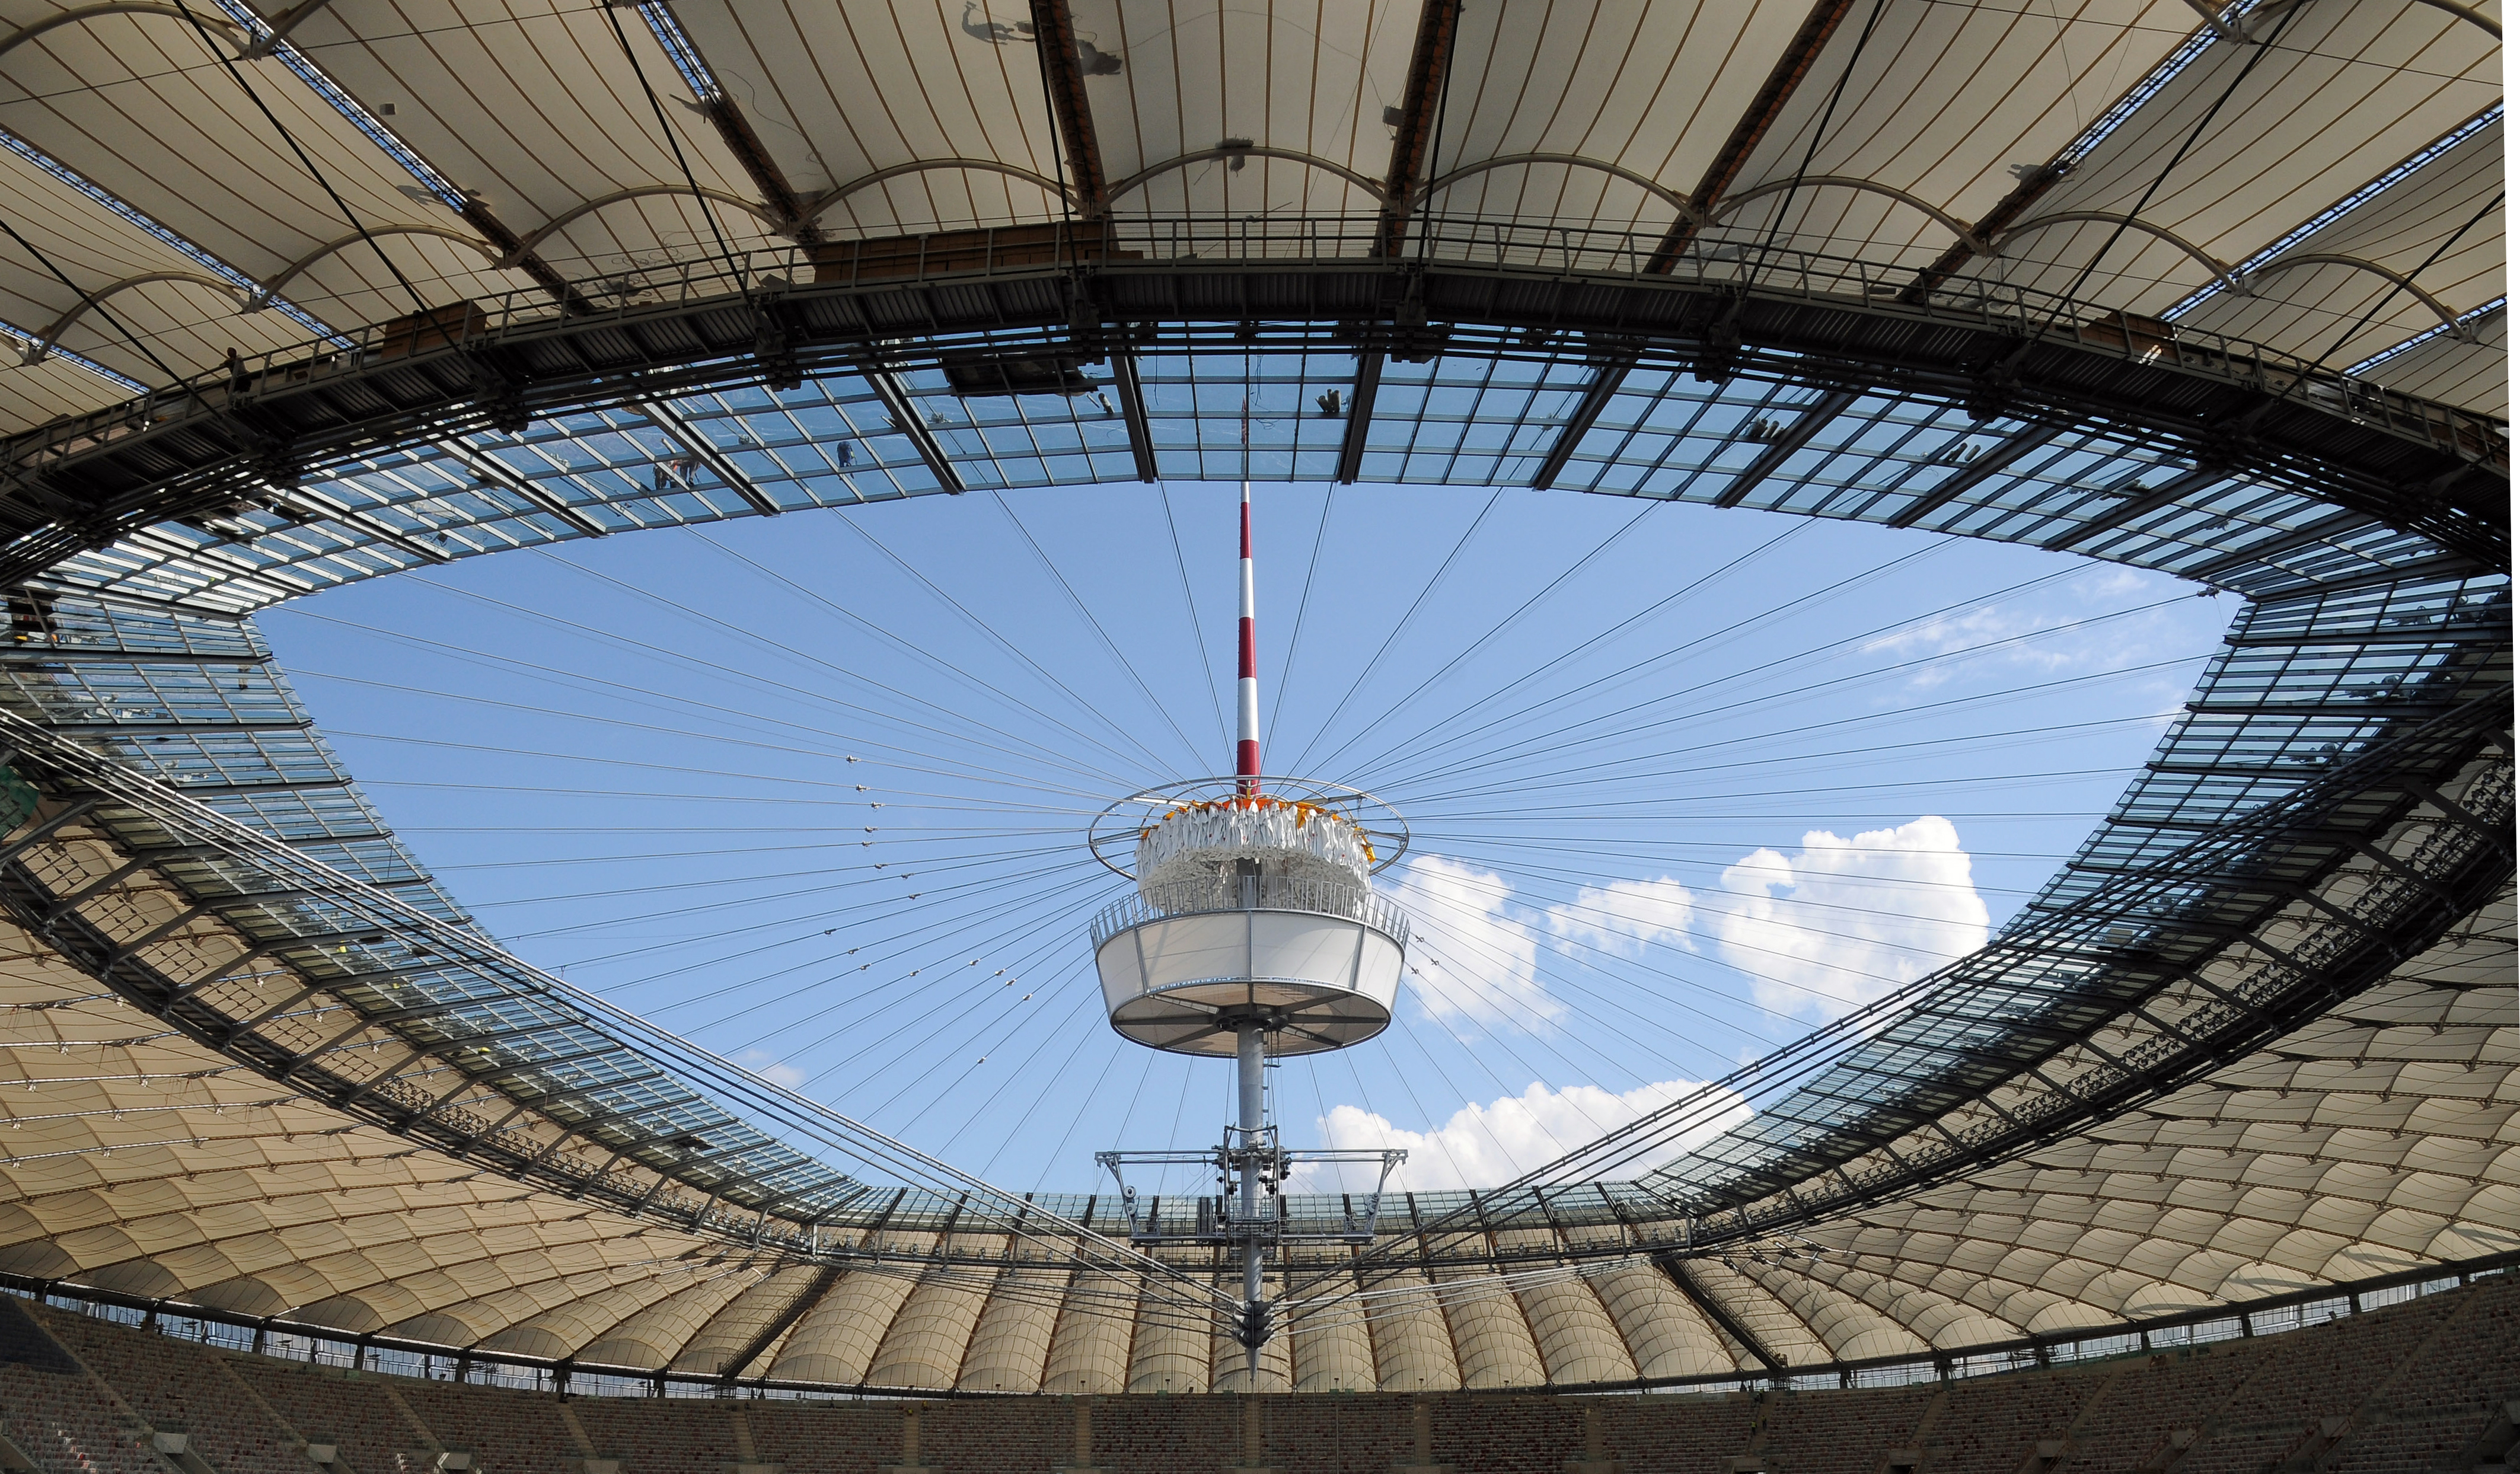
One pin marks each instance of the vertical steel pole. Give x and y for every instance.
(1250, 1065)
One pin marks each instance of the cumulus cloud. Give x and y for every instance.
(1471, 954)
(1842, 921)
(1482, 1146)
(1990, 634)
(1625, 915)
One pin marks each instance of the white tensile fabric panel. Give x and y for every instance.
(535, 105)
(1089, 1347)
(1489, 1332)
(1331, 1351)
(1946, 103)
(744, 1319)
(2440, 225)
(837, 91)
(2346, 93)
(1412, 1341)
(1171, 1350)
(836, 1340)
(145, 107)
(2474, 376)
(1579, 1342)
(655, 1334)
(927, 1342)
(1650, 86)
(1010, 1342)
(1664, 1332)
(1309, 78)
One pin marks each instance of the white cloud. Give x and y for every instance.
(1482, 1146)
(771, 1068)
(1470, 954)
(1988, 634)
(1842, 921)
(1624, 916)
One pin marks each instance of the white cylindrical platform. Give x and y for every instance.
(1251, 911)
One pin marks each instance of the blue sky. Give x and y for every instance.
(812, 790)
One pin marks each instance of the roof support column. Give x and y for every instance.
(1054, 32)
(1722, 1318)
(1430, 66)
(906, 421)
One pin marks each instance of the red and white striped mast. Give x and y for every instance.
(1246, 686)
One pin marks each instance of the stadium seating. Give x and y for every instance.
(356, 1415)
(2425, 1387)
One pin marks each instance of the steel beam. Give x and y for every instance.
(1796, 435)
(172, 729)
(1133, 410)
(1606, 378)
(2141, 505)
(2277, 547)
(788, 1314)
(906, 421)
(1765, 106)
(46, 829)
(2012, 448)
(1360, 413)
(1063, 77)
(690, 438)
(1413, 139)
(1707, 1306)
(326, 508)
(491, 469)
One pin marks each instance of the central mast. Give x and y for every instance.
(1246, 684)
(1255, 929)
(1250, 1040)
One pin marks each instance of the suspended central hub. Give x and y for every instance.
(1251, 911)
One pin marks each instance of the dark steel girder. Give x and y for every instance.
(1977, 472)
(1360, 415)
(1747, 134)
(1421, 103)
(1606, 378)
(1133, 411)
(1063, 77)
(1792, 438)
(1707, 1306)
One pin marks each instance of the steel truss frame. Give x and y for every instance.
(209, 447)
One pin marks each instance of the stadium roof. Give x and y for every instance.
(2256, 1038)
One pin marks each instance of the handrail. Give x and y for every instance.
(1117, 244)
(1276, 893)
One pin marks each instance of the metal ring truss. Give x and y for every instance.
(1004, 307)
(1112, 836)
